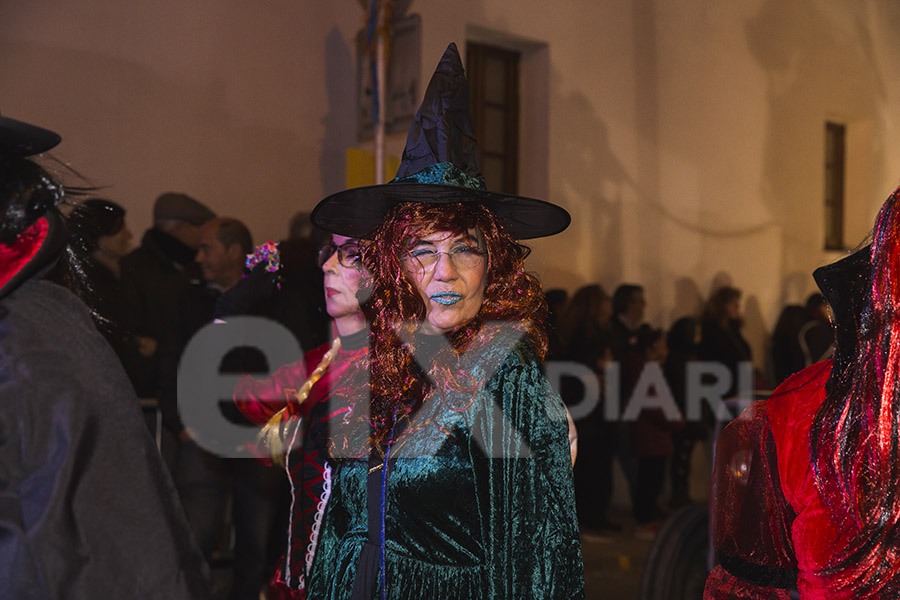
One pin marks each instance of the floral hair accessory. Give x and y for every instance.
(267, 255)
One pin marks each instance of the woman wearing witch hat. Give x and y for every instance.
(454, 479)
(806, 491)
(87, 509)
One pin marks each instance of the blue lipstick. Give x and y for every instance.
(447, 298)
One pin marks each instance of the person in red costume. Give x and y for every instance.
(806, 489)
(295, 404)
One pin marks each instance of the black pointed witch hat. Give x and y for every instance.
(439, 165)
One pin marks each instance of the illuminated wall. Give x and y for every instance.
(686, 138)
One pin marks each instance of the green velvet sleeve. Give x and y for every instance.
(525, 485)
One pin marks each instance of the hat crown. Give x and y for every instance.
(441, 146)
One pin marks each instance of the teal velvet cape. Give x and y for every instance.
(479, 495)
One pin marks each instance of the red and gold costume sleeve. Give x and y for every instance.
(258, 400)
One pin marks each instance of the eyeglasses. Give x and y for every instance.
(462, 257)
(349, 254)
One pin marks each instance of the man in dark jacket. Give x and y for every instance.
(155, 275)
(203, 478)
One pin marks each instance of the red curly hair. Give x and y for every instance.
(396, 309)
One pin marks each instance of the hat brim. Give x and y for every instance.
(22, 139)
(357, 212)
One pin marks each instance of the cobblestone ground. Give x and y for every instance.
(613, 563)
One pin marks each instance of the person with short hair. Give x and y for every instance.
(222, 245)
(204, 479)
(156, 273)
(629, 306)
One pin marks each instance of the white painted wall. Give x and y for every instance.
(686, 138)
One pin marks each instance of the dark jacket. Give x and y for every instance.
(153, 278)
(114, 319)
(724, 344)
(194, 310)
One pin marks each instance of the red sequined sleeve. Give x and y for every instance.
(258, 400)
(750, 517)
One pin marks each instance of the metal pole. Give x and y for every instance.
(381, 84)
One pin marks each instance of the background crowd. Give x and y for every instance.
(595, 330)
(149, 302)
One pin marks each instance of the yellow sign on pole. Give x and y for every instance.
(361, 167)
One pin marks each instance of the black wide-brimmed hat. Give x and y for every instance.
(439, 166)
(21, 139)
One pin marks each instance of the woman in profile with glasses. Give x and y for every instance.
(298, 404)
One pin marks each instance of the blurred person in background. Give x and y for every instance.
(101, 238)
(816, 337)
(787, 354)
(557, 299)
(682, 341)
(156, 273)
(629, 306)
(586, 339)
(722, 342)
(651, 435)
(205, 480)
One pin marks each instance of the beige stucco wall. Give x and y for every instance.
(686, 138)
(249, 106)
